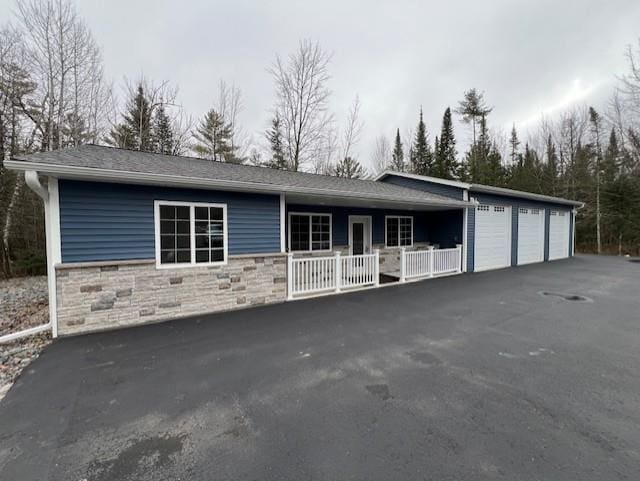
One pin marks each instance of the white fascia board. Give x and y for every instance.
(426, 178)
(487, 189)
(121, 176)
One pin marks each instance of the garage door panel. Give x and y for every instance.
(530, 235)
(492, 237)
(559, 224)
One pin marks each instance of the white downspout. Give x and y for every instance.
(33, 182)
(49, 196)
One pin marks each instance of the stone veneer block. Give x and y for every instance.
(139, 293)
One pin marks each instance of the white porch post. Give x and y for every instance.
(465, 234)
(338, 272)
(402, 265)
(459, 247)
(290, 276)
(431, 260)
(376, 268)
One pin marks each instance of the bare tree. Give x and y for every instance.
(353, 129)
(381, 155)
(72, 98)
(302, 98)
(630, 82)
(229, 106)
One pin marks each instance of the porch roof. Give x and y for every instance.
(109, 164)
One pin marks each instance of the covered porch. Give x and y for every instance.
(333, 248)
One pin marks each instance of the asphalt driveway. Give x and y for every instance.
(474, 377)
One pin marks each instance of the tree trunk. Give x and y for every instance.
(8, 222)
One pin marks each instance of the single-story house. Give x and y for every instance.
(135, 237)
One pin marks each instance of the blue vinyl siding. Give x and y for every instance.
(442, 227)
(515, 203)
(103, 221)
(426, 186)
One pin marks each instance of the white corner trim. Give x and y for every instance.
(54, 202)
(55, 250)
(465, 227)
(283, 239)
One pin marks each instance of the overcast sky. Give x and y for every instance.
(529, 57)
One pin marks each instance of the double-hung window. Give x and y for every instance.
(189, 234)
(309, 232)
(398, 231)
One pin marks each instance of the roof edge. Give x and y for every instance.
(90, 173)
(488, 189)
(435, 180)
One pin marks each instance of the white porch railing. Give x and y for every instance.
(430, 262)
(312, 275)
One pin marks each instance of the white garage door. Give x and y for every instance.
(558, 234)
(492, 237)
(530, 235)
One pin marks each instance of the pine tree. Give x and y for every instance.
(611, 160)
(163, 137)
(134, 132)
(550, 174)
(213, 138)
(278, 159)
(514, 143)
(472, 108)
(445, 165)
(595, 122)
(397, 158)
(349, 168)
(421, 156)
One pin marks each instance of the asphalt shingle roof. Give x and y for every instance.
(177, 167)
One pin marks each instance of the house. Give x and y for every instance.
(135, 237)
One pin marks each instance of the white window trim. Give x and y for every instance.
(310, 250)
(386, 217)
(192, 233)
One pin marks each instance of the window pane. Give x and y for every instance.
(202, 242)
(202, 213)
(405, 231)
(202, 227)
(182, 227)
(216, 228)
(167, 227)
(299, 232)
(392, 231)
(217, 255)
(183, 256)
(167, 257)
(182, 212)
(183, 241)
(175, 235)
(217, 241)
(167, 212)
(167, 242)
(215, 213)
(202, 255)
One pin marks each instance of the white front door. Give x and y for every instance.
(530, 235)
(359, 235)
(492, 240)
(559, 234)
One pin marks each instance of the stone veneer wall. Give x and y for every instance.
(96, 296)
